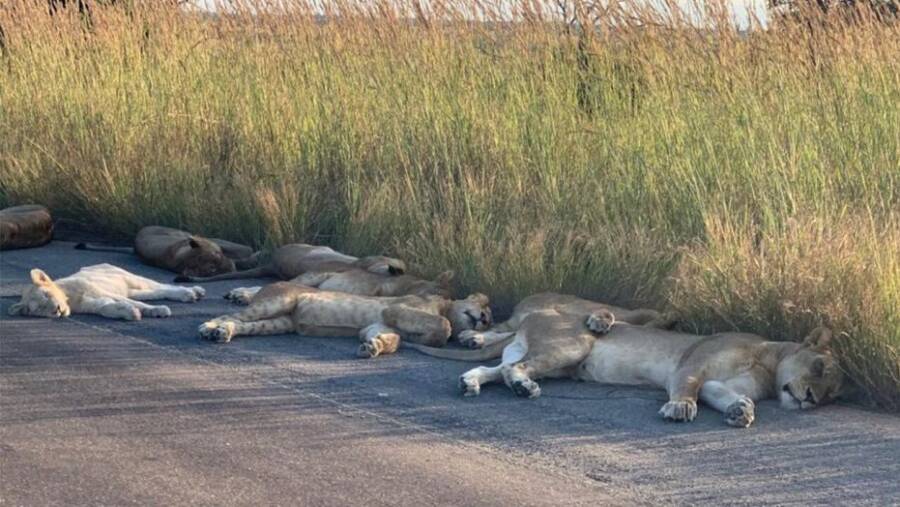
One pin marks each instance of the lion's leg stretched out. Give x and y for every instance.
(726, 397)
(418, 326)
(224, 330)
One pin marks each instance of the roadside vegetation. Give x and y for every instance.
(742, 181)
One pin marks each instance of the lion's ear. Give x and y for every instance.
(17, 308)
(819, 338)
(40, 278)
(395, 270)
(193, 243)
(445, 278)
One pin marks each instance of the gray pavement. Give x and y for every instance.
(94, 411)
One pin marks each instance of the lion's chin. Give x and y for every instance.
(788, 402)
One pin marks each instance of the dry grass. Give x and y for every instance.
(745, 182)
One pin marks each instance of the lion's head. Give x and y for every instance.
(382, 265)
(205, 258)
(472, 313)
(42, 299)
(809, 377)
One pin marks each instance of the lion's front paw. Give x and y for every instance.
(220, 332)
(685, 410)
(741, 413)
(199, 291)
(157, 311)
(382, 343)
(600, 322)
(239, 296)
(471, 339)
(469, 385)
(526, 388)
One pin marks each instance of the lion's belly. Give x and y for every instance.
(621, 362)
(343, 311)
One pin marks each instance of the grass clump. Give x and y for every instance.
(743, 181)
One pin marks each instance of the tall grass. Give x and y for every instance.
(740, 181)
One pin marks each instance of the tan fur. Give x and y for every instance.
(184, 253)
(25, 226)
(563, 304)
(293, 260)
(102, 289)
(380, 321)
(360, 282)
(728, 371)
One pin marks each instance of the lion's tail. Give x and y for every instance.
(258, 272)
(492, 351)
(104, 248)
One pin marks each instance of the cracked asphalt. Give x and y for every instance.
(94, 411)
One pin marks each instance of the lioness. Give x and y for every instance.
(380, 321)
(360, 282)
(728, 371)
(185, 253)
(290, 261)
(25, 226)
(102, 289)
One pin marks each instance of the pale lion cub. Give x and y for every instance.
(102, 289)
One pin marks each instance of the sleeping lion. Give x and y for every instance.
(727, 371)
(380, 322)
(102, 289)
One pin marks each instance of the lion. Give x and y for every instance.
(360, 282)
(295, 259)
(728, 371)
(102, 289)
(564, 304)
(380, 322)
(185, 253)
(26, 226)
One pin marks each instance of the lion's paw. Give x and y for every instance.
(526, 388)
(189, 295)
(741, 413)
(469, 385)
(130, 312)
(600, 322)
(199, 291)
(239, 296)
(681, 411)
(471, 339)
(382, 343)
(157, 311)
(220, 332)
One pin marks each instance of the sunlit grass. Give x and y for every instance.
(743, 182)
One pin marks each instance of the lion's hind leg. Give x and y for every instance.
(544, 358)
(224, 330)
(471, 381)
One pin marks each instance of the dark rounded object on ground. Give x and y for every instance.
(25, 226)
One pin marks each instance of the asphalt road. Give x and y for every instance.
(94, 411)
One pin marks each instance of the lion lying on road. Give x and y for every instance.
(102, 289)
(360, 282)
(290, 261)
(380, 321)
(728, 371)
(184, 253)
